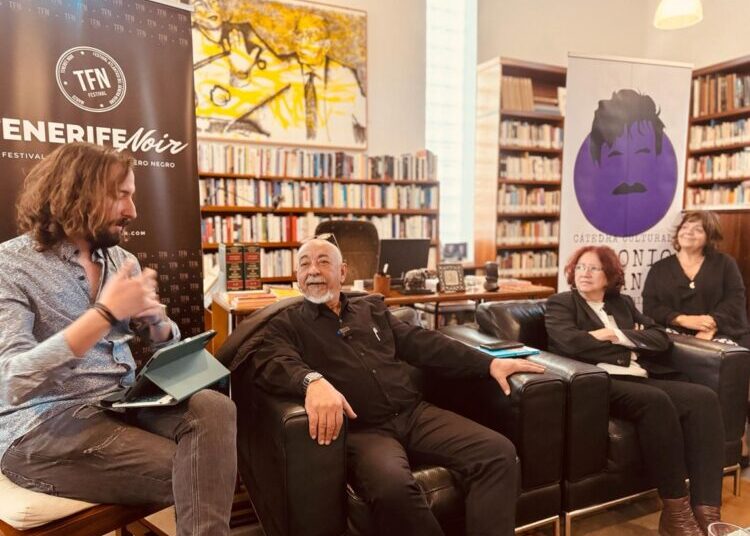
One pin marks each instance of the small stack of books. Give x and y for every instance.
(252, 299)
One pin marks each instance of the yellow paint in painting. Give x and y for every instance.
(257, 68)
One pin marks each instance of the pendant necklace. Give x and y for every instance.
(692, 280)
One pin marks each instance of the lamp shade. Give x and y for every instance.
(675, 14)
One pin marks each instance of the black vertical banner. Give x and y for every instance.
(119, 73)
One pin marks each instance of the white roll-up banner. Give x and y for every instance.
(626, 128)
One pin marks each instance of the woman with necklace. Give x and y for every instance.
(698, 291)
(679, 424)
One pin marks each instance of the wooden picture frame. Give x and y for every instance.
(451, 276)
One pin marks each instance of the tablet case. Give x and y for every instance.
(178, 370)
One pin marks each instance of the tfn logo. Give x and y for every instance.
(91, 79)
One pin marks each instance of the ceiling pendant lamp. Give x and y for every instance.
(676, 14)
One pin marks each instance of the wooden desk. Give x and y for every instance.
(225, 317)
(515, 292)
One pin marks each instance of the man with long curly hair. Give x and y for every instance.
(68, 296)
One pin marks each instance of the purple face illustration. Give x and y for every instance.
(633, 183)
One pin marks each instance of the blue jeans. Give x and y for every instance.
(183, 455)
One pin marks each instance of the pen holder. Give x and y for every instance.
(381, 284)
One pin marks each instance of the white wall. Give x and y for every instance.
(546, 30)
(396, 73)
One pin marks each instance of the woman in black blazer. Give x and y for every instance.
(679, 424)
(698, 291)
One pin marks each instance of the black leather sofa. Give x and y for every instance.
(602, 464)
(300, 488)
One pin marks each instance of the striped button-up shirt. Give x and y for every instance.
(42, 293)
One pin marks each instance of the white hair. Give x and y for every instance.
(317, 241)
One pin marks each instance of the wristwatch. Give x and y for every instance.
(309, 378)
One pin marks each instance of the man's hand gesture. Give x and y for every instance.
(325, 407)
(502, 369)
(127, 295)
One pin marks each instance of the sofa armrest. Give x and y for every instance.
(586, 401)
(297, 486)
(722, 367)
(532, 417)
(587, 416)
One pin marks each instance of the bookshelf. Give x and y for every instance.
(274, 197)
(717, 175)
(718, 157)
(519, 165)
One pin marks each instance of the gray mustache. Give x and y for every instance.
(624, 188)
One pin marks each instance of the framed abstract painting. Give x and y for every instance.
(283, 72)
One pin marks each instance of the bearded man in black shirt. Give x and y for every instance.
(352, 357)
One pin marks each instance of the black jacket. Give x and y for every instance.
(569, 318)
(719, 292)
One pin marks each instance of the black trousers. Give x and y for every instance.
(379, 465)
(680, 431)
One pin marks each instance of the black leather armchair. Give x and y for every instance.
(602, 460)
(300, 488)
(359, 244)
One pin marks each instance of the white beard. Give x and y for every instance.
(323, 298)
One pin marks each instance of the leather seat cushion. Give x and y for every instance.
(441, 490)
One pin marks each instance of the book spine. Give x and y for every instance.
(231, 267)
(252, 267)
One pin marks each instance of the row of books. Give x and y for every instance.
(293, 227)
(528, 232)
(720, 93)
(718, 195)
(528, 167)
(510, 197)
(531, 135)
(527, 264)
(214, 157)
(719, 134)
(274, 194)
(719, 166)
(516, 93)
(241, 266)
(421, 165)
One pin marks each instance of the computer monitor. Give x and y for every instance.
(402, 255)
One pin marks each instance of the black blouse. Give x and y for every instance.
(719, 292)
